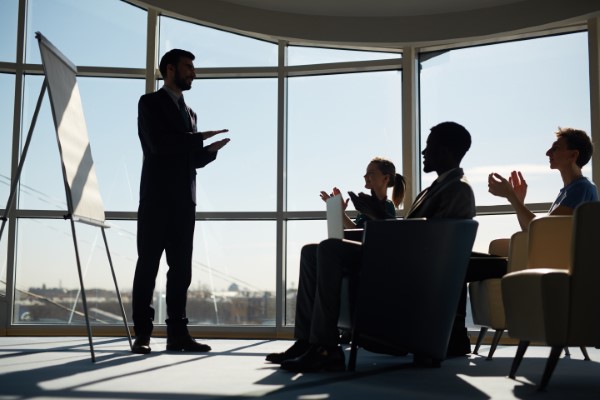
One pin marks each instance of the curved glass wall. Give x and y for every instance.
(338, 110)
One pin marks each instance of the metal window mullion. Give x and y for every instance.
(11, 236)
(281, 207)
(594, 80)
(410, 124)
(151, 49)
(344, 67)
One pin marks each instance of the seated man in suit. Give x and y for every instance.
(322, 267)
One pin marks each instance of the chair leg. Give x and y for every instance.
(353, 353)
(495, 341)
(523, 344)
(586, 357)
(482, 333)
(550, 365)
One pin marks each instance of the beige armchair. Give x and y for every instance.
(555, 306)
(546, 243)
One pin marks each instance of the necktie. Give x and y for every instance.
(184, 114)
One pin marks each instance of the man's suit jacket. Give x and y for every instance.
(450, 198)
(171, 152)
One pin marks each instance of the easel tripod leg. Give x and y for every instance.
(112, 270)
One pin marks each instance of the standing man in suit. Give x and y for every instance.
(173, 149)
(322, 269)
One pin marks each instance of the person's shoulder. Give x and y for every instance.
(153, 97)
(158, 94)
(587, 182)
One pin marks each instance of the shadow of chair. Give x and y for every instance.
(557, 306)
(546, 243)
(409, 285)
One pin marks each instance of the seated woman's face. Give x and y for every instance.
(374, 178)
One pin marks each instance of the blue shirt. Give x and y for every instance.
(579, 191)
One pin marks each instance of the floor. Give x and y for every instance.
(61, 368)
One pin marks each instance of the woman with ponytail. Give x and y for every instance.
(380, 175)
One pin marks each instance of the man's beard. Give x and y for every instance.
(181, 83)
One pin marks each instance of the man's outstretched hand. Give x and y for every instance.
(209, 134)
(218, 145)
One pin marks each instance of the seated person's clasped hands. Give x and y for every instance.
(514, 186)
(369, 205)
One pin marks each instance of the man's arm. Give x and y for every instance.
(157, 131)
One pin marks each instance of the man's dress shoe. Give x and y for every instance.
(317, 358)
(186, 343)
(141, 345)
(296, 350)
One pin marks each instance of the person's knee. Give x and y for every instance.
(338, 247)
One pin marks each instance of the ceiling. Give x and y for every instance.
(370, 8)
(385, 24)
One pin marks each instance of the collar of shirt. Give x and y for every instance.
(443, 176)
(172, 94)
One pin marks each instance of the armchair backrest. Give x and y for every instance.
(411, 278)
(585, 274)
(549, 242)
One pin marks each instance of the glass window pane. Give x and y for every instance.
(3, 261)
(336, 125)
(233, 273)
(243, 177)
(8, 30)
(298, 55)
(89, 32)
(112, 131)
(215, 48)
(47, 289)
(7, 100)
(41, 185)
(114, 143)
(299, 233)
(6, 130)
(512, 97)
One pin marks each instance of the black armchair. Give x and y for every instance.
(408, 288)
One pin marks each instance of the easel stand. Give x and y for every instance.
(70, 215)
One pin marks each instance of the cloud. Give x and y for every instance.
(480, 174)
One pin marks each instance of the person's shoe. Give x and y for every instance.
(317, 358)
(295, 350)
(459, 344)
(141, 345)
(187, 344)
